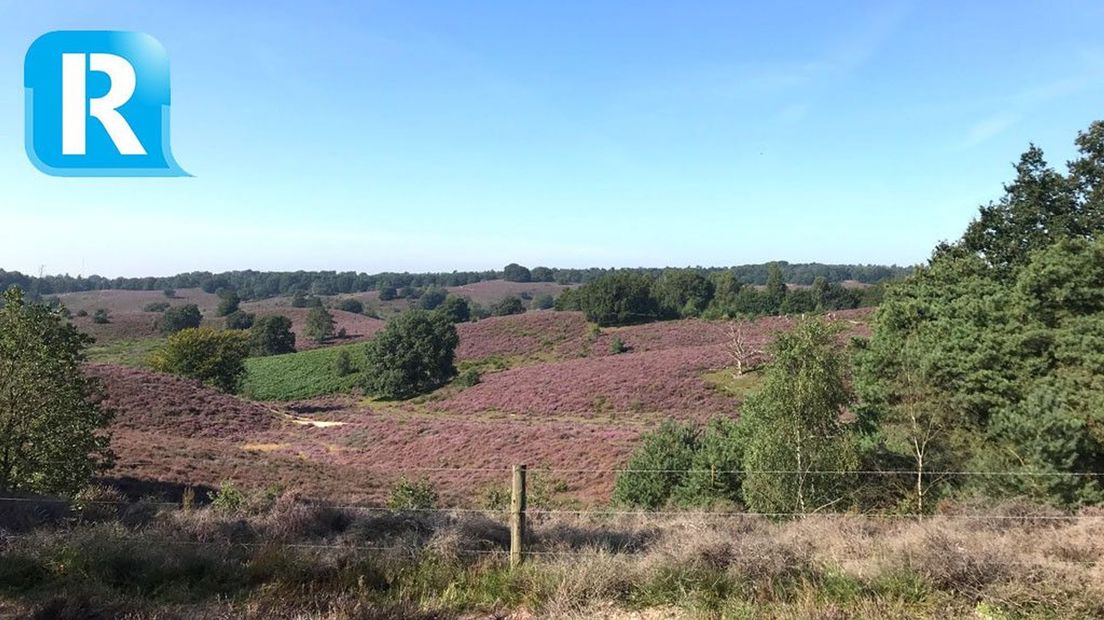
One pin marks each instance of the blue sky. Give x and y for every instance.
(436, 136)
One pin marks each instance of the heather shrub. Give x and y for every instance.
(412, 495)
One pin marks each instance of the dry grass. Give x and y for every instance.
(285, 558)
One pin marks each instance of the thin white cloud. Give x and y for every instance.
(989, 128)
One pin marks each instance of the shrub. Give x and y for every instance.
(468, 378)
(543, 302)
(456, 309)
(180, 317)
(387, 293)
(350, 305)
(617, 346)
(229, 301)
(658, 466)
(302, 300)
(240, 320)
(415, 353)
(516, 273)
(209, 355)
(156, 306)
(170, 293)
(320, 325)
(412, 495)
(101, 316)
(271, 335)
(227, 499)
(82, 312)
(507, 306)
(343, 363)
(433, 298)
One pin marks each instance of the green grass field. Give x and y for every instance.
(133, 352)
(297, 376)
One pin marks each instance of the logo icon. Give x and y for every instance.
(97, 104)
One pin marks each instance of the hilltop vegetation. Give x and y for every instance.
(265, 284)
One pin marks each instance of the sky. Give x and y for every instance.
(440, 136)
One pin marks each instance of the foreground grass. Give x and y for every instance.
(134, 352)
(289, 560)
(301, 375)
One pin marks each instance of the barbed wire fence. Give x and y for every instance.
(521, 511)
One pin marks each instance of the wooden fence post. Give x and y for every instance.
(517, 516)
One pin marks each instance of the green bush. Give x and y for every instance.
(468, 378)
(516, 273)
(433, 298)
(343, 363)
(412, 495)
(229, 301)
(227, 499)
(209, 355)
(657, 467)
(617, 346)
(414, 354)
(350, 305)
(543, 302)
(156, 306)
(101, 316)
(320, 325)
(271, 335)
(456, 309)
(507, 306)
(180, 317)
(240, 320)
(682, 464)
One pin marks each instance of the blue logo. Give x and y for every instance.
(98, 105)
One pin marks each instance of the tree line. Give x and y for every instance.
(626, 297)
(263, 284)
